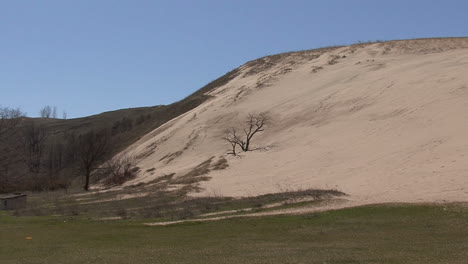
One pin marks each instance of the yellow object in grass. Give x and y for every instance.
(28, 238)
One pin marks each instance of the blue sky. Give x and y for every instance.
(91, 56)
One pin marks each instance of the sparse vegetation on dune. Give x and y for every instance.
(157, 202)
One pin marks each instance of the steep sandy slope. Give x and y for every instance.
(383, 122)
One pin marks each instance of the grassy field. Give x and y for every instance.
(370, 234)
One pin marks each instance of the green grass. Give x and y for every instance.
(370, 234)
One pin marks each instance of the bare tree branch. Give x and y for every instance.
(255, 123)
(233, 139)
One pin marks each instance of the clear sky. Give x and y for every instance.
(90, 56)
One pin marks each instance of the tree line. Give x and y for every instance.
(51, 112)
(51, 161)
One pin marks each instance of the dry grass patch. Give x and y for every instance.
(221, 164)
(196, 174)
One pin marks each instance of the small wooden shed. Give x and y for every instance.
(12, 201)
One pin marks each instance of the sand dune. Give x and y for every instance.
(382, 122)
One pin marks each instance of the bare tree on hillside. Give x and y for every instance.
(34, 137)
(9, 119)
(48, 112)
(91, 149)
(232, 137)
(45, 112)
(255, 123)
(54, 164)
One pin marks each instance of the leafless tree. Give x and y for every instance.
(9, 119)
(48, 112)
(54, 165)
(64, 115)
(34, 137)
(255, 123)
(231, 136)
(45, 112)
(91, 150)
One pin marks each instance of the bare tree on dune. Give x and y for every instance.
(255, 123)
